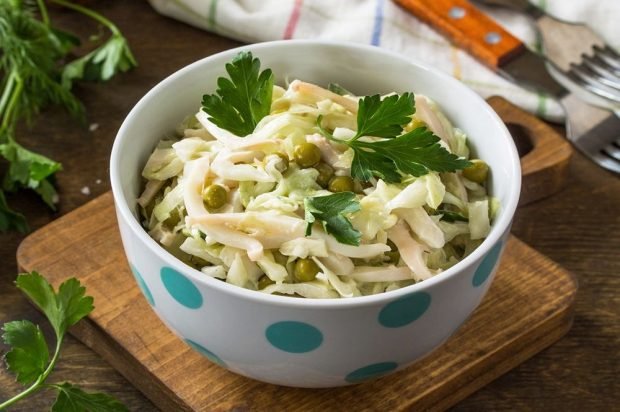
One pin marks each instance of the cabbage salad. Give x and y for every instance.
(314, 192)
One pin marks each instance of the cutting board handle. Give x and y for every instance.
(544, 152)
(467, 27)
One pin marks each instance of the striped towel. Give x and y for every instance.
(382, 23)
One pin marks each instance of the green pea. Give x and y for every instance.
(306, 270)
(280, 258)
(341, 184)
(214, 196)
(307, 154)
(325, 174)
(477, 172)
(264, 281)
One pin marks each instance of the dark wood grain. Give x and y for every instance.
(528, 307)
(578, 227)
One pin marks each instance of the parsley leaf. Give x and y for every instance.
(31, 170)
(243, 100)
(73, 399)
(29, 355)
(384, 118)
(63, 309)
(416, 153)
(367, 164)
(330, 210)
(102, 63)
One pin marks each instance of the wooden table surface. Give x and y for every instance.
(578, 228)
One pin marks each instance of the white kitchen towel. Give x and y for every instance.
(382, 23)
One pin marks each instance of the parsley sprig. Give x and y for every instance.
(243, 100)
(28, 357)
(330, 210)
(36, 72)
(415, 153)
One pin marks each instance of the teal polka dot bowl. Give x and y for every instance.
(310, 342)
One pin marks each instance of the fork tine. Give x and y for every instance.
(596, 60)
(589, 82)
(606, 161)
(605, 77)
(612, 151)
(609, 55)
(611, 51)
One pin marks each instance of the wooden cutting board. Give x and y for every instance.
(528, 307)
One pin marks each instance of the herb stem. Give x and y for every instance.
(10, 99)
(39, 382)
(90, 13)
(43, 10)
(6, 93)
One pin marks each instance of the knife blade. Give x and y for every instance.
(594, 131)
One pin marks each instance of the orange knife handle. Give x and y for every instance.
(467, 27)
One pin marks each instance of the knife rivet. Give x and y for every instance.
(456, 12)
(492, 37)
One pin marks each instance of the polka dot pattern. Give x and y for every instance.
(181, 288)
(294, 337)
(487, 265)
(371, 371)
(142, 285)
(206, 352)
(405, 310)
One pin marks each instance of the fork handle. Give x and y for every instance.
(469, 28)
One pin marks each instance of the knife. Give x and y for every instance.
(594, 131)
(556, 33)
(573, 48)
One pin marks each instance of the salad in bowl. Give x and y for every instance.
(310, 191)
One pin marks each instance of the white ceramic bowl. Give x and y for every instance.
(310, 342)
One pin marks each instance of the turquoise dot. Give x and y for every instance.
(405, 310)
(206, 352)
(371, 371)
(487, 265)
(294, 337)
(142, 285)
(181, 288)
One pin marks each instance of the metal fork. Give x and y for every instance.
(598, 73)
(589, 62)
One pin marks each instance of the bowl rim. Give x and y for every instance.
(497, 230)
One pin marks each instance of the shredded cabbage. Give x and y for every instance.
(257, 233)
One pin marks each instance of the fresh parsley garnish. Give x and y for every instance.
(416, 153)
(72, 398)
(243, 100)
(28, 358)
(330, 210)
(384, 118)
(37, 71)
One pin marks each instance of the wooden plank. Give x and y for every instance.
(528, 307)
